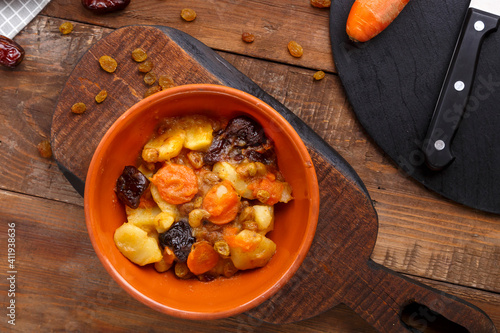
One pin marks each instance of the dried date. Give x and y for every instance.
(179, 238)
(11, 53)
(105, 6)
(130, 186)
(242, 138)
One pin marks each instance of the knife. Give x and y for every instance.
(482, 17)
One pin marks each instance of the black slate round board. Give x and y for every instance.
(393, 82)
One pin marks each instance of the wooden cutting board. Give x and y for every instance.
(393, 83)
(338, 267)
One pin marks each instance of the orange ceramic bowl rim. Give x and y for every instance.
(128, 275)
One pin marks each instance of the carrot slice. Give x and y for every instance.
(272, 189)
(222, 202)
(177, 184)
(368, 18)
(202, 258)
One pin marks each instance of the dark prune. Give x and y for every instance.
(11, 53)
(179, 238)
(242, 138)
(105, 6)
(130, 186)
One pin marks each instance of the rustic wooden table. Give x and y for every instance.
(60, 284)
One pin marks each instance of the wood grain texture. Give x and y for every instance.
(407, 211)
(393, 83)
(346, 213)
(69, 289)
(219, 24)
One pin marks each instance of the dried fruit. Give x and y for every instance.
(188, 14)
(139, 55)
(108, 64)
(11, 53)
(150, 78)
(152, 90)
(78, 108)
(166, 81)
(130, 186)
(247, 37)
(66, 28)
(105, 6)
(295, 49)
(179, 238)
(101, 96)
(45, 149)
(319, 75)
(321, 3)
(146, 66)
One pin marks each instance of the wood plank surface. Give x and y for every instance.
(68, 288)
(448, 246)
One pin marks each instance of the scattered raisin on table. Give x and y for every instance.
(166, 81)
(105, 6)
(188, 14)
(130, 186)
(139, 55)
(179, 238)
(101, 96)
(152, 90)
(145, 66)
(66, 28)
(108, 64)
(150, 78)
(45, 149)
(11, 53)
(247, 37)
(295, 49)
(78, 108)
(321, 3)
(319, 75)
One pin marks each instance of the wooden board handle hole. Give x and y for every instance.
(422, 319)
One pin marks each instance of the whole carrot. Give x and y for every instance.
(368, 18)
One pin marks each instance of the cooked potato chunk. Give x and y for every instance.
(164, 221)
(264, 216)
(227, 172)
(199, 137)
(164, 147)
(250, 250)
(135, 244)
(143, 218)
(164, 206)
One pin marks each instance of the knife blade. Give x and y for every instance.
(482, 17)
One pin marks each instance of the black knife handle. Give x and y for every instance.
(456, 88)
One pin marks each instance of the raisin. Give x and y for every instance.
(66, 28)
(146, 66)
(78, 108)
(319, 75)
(130, 186)
(247, 37)
(11, 53)
(295, 49)
(152, 90)
(108, 64)
(45, 149)
(105, 6)
(139, 55)
(188, 14)
(179, 238)
(321, 3)
(150, 78)
(101, 96)
(166, 81)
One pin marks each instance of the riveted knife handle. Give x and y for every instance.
(456, 88)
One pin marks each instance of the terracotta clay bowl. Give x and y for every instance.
(295, 222)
